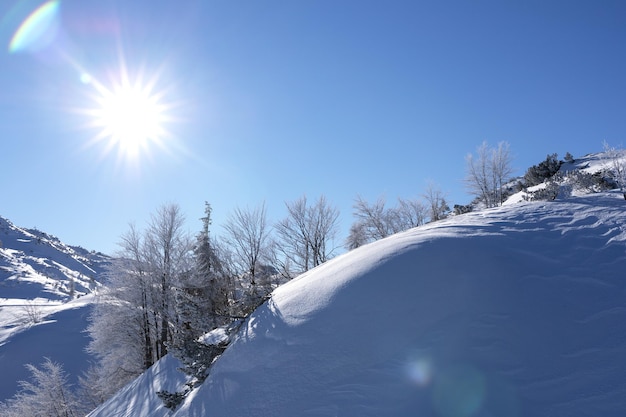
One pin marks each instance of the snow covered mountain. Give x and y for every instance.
(45, 294)
(513, 311)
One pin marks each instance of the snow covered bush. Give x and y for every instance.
(47, 394)
(32, 312)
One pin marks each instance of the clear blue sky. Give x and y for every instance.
(270, 100)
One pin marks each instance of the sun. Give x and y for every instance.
(129, 114)
(131, 117)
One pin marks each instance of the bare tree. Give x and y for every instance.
(375, 221)
(411, 213)
(616, 166)
(437, 206)
(488, 171)
(501, 166)
(306, 235)
(247, 234)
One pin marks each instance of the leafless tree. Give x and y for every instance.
(616, 166)
(247, 235)
(488, 171)
(411, 213)
(375, 221)
(305, 237)
(437, 206)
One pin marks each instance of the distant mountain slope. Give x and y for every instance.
(45, 288)
(34, 264)
(514, 311)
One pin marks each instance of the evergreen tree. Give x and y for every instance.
(202, 304)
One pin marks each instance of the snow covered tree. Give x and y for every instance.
(616, 166)
(210, 284)
(306, 235)
(92, 389)
(375, 221)
(169, 251)
(121, 324)
(411, 213)
(47, 394)
(134, 319)
(488, 171)
(357, 236)
(437, 206)
(203, 299)
(247, 234)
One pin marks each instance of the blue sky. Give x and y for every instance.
(270, 100)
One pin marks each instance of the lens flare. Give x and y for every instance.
(38, 29)
(420, 372)
(459, 391)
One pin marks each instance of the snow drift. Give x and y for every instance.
(514, 311)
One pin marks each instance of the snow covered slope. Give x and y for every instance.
(44, 302)
(34, 264)
(514, 311)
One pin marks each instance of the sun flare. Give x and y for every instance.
(130, 116)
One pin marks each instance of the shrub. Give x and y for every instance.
(537, 174)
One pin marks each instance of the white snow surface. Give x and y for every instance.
(45, 297)
(513, 311)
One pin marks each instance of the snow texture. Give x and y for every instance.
(513, 311)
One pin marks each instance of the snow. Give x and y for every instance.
(514, 311)
(60, 336)
(139, 398)
(45, 298)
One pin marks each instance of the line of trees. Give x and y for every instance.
(376, 220)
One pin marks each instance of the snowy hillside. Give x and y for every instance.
(44, 302)
(35, 264)
(513, 311)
